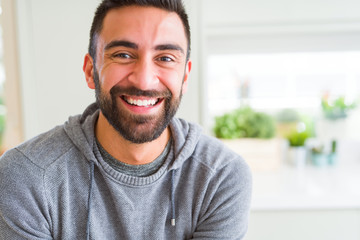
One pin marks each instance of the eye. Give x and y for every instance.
(165, 59)
(122, 55)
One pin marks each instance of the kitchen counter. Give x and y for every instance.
(289, 188)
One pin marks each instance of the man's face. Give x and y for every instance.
(141, 70)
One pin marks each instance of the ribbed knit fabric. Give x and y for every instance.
(134, 170)
(56, 186)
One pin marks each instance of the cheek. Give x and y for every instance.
(172, 81)
(111, 76)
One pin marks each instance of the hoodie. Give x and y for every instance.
(58, 186)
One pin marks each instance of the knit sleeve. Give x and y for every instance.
(23, 210)
(227, 204)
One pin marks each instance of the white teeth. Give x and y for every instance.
(141, 103)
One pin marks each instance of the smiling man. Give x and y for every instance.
(127, 168)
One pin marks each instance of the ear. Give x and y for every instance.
(88, 69)
(186, 75)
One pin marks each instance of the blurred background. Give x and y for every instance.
(277, 81)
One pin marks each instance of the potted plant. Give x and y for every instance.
(335, 121)
(318, 156)
(297, 150)
(337, 108)
(244, 123)
(251, 134)
(332, 158)
(322, 157)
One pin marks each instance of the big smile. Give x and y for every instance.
(141, 102)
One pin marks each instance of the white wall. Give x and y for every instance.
(256, 12)
(53, 39)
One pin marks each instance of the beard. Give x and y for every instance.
(133, 127)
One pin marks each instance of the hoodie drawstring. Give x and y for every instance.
(173, 198)
(89, 200)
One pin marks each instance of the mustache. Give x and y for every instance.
(133, 91)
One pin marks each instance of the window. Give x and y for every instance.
(275, 81)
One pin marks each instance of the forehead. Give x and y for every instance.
(143, 26)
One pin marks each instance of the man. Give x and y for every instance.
(126, 168)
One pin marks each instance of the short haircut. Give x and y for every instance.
(107, 5)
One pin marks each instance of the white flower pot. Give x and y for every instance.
(297, 156)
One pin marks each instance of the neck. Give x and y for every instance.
(126, 151)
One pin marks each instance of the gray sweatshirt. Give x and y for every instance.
(56, 186)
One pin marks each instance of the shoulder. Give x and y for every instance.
(22, 183)
(41, 150)
(24, 168)
(213, 152)
(205, 150)
(228, 168)
(226, 204)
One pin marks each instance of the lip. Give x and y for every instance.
(148, 109)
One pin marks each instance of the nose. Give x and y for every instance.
(144, 76)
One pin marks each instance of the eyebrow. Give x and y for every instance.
(121, 43)
(169, 47)
(128, 44)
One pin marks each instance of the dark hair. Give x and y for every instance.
(107, 5)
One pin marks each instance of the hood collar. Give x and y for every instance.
(81, 129)
(185, 136)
